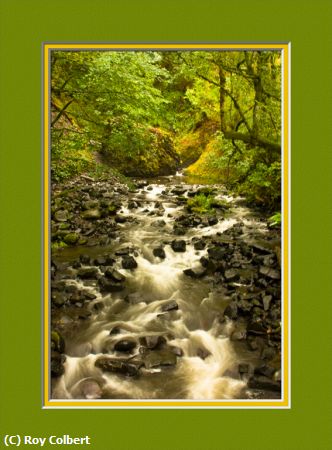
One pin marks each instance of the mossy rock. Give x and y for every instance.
(71, 238)
(57, 341)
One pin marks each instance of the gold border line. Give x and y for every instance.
(283, 403)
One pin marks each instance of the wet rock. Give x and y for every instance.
(57, 342)
(61, 216)
(114, 275)
(267, 301)
(100, 261)
(87, 272)
(152, 342)
(231, 311)
(110, 286)
(244, 306)
(98, 306)
(117, 366)
(134, 298)
(256, 327)
(170, 306)
(231, 274)
(265, 383)
(58, 299)
(176, 350)
(90, 204)
(121, 219)
(71, 238)
(265, 370)
(212, 220)
(92, 214)
(178, 245)
(217, 253)
(199, 245)
(179, 231)
(269, 272)
(57, 367)
(159, 223)
(123, 251)
(159, 252)
(238, 335)
(244, 368)
(159, 358)
(268, 353)
(125, 345)
(195, 273)
(203, 353)
(129, 262)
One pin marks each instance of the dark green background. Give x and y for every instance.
(24, 25)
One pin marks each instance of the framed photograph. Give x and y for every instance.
(166, 228)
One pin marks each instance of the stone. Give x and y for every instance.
(110, 286)
(71, 238)
(195, 273)
(269, 272)
(256, 328)
(159, 252)
(231, 311)
(176, 350)
(90, 204)
(113, 365)
(114, 275)
(159, 223)
(265, 370)
(92, 214)
(178, 246)
(203, 353)
(244, 368)
(61, 216)
(267, 301)
(100, 261)
(125, 345)
(231, 274)
(159, 358)
(87, 272)
(217, 253)
(121, 219)
(170, 306)
(212, 220)
(134, 298)
(238, 335)
(98, 306)
(264, 383)
(152, 342)
(123, 251)
(199, 245)
(129, 262)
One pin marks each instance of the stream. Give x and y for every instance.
(173, 305)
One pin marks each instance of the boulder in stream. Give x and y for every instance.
(119, 366)
(87, 272)
(159, 252)
(125, 345)
(178, 245)
(129, 262)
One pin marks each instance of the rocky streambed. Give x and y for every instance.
(152, 300)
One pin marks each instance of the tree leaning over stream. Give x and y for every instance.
(141, 112)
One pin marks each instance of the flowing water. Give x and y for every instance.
(206, 365)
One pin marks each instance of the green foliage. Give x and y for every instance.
(275, 220)
(220, 110)
(201, 204)
(58, 245)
